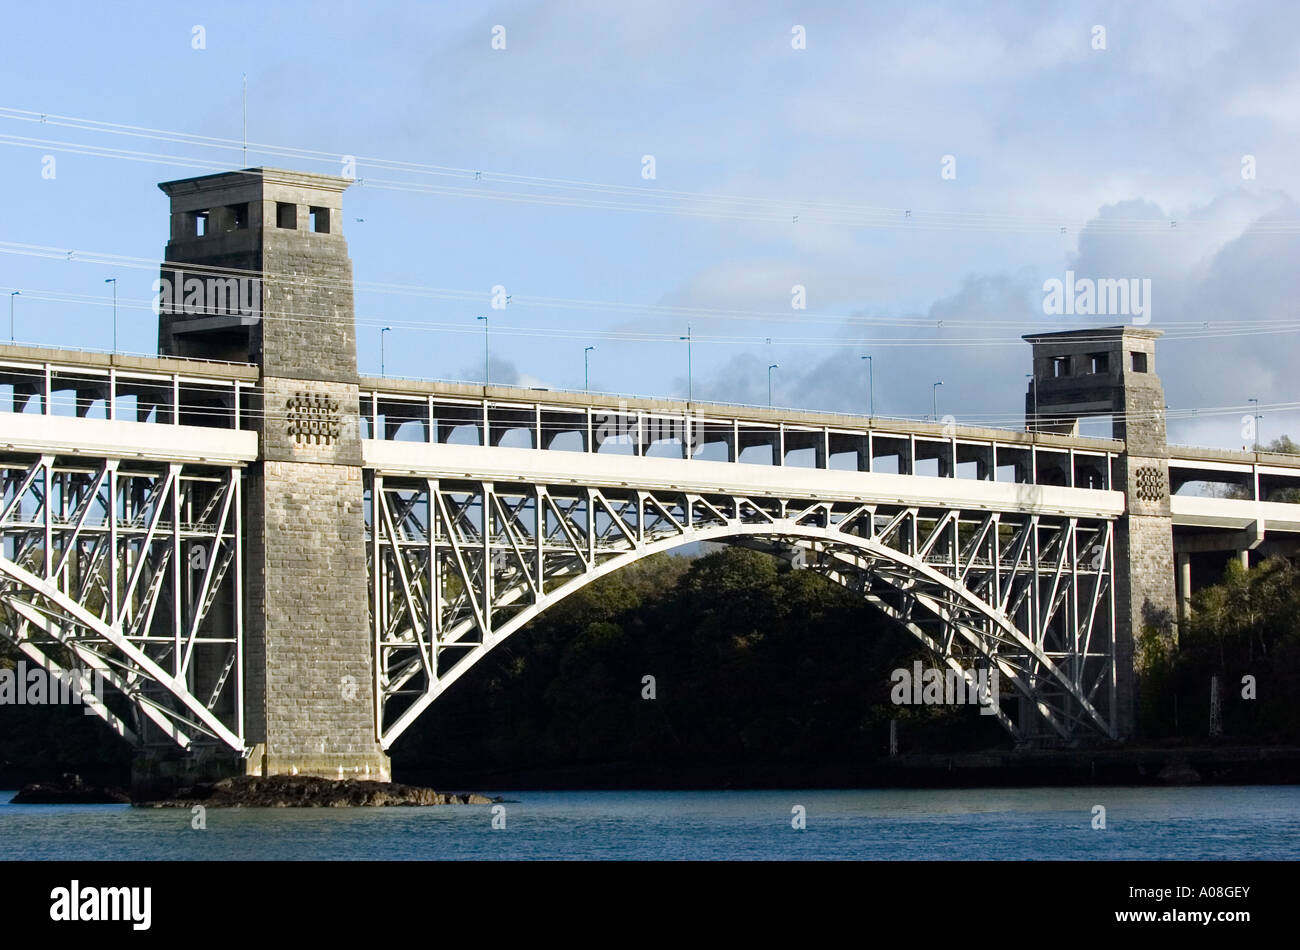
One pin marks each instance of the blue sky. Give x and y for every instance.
(1114, 144)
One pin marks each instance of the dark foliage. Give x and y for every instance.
(44, 741)
(754, 663)
(1247, 625)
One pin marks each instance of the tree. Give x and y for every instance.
(1282, 445)
(1247, 625)
(755, 665)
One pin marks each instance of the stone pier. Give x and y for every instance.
(309, 697)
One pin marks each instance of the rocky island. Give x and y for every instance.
(69, 790)
(248, 791)
(304, 791)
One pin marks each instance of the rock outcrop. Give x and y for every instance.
(69, 790)
(303, 791)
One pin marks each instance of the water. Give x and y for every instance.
(1250, 822)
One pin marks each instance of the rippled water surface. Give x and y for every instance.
(1252, 822)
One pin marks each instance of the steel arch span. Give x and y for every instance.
(457, 566)
(128, 573)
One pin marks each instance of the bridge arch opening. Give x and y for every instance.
(728, 665)
(448, 591)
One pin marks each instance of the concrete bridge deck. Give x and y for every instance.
(167, 408)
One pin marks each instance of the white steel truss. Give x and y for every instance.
(130, 571)
(458, 566)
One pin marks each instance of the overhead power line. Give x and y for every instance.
(572, 192)
(1175, 329)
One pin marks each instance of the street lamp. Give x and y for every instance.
(1033, 387)
(871, 387)
(12, 295)
(934, 400)
(1257, 418)
(690, 385)
(381, 349)
(586, 370)
(485, 351)
(113, 281)
(769, 383)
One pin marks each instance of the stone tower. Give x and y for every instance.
(1111, 371)
(257, 269)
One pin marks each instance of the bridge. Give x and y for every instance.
(278, 564)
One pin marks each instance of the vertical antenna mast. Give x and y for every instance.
(245, 120)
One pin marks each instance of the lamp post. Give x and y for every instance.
(12, 295)
(934, 400)
(113, 281)
(1257, 418)
(871, 388)
(485, 351)
(586, 370)
(1033, 387)
(690, 385)
(769, 383)
(381, 349)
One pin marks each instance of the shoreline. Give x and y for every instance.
(999, 768)
(1204, 765)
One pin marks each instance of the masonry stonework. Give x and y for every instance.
(309, 696)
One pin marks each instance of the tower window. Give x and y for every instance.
(238, 216)
(1139, 362)
(320, 220)
(200, 223)
(1060, 366)
(286, 215)
(1099, 362)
